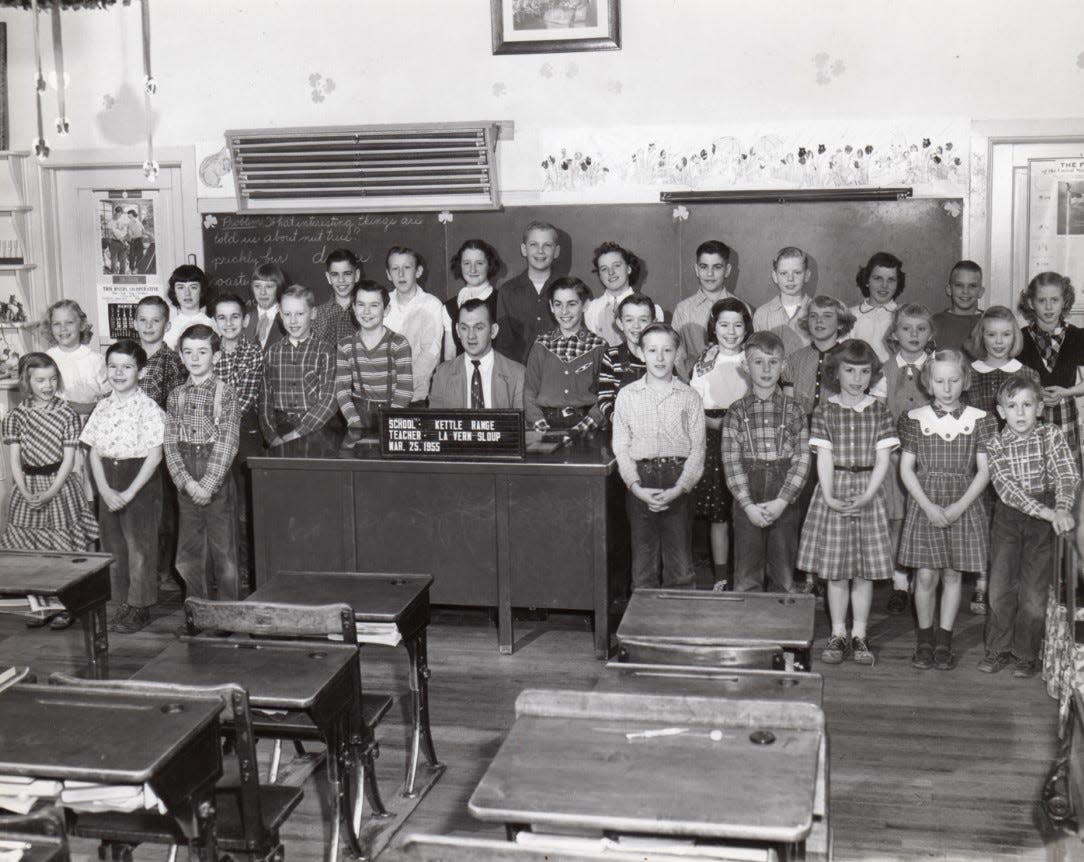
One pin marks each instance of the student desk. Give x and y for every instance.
(722, 619)
(170, 742)
(628, 678)
(546, 532)
(651, 679)
(280, 675)
(399, 600)
(703, 768)
(79, 581)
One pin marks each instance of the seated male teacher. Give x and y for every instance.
(480, 377)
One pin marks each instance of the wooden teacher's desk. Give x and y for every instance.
(169, 742)
(545, 532)
(590, 762)
(79, 581)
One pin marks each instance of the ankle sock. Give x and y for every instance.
(858, 631)
(839, 631)
(722, 573)
(900, 581)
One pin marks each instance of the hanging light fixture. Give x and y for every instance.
(150, 84)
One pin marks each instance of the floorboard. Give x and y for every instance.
(924, 765)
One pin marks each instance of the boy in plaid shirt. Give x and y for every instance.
(1035, 474)
(297, 395)
(765, 460)
(164, 369)
(658, 440)
(202, 422)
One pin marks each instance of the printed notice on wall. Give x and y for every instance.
(1056, 219)
(129, 257)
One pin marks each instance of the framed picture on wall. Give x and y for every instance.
(550, 26)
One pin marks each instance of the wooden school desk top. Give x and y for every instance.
(731, 619)
(567, 762)
(629, 678)
(107, 737)
(376, 597)
(276, 674)
(51, 574)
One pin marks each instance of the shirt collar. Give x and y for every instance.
(866, 307)
(955, 414)
(299, 341)
(614, 298)
(482, 291)
(860, 407)
(984, 367)
(485, 363)
(269, 312)
(918, 363)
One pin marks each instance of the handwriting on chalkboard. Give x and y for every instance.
(237, 243)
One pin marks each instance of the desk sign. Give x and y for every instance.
(440, 435)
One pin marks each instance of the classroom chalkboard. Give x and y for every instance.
(926, 233)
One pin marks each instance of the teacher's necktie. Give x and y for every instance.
(477, 399)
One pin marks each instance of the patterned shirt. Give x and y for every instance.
(803, 370)
(125, 428)
(42, 433)
(652, 422)
(600, 313)
(1023, 468)
(924, 433)
(854, 434)
(768, 429)
(986, 381)
(562, 371)
(620, 367)
(242, 368)
(333, 322)
(691, 322)
(382, 374)
(163, 372)
(301, 379)
(190, 418)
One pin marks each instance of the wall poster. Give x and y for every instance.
(129, 264)
(1056, 220)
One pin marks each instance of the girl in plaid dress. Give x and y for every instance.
(845, 537)
(1055, 349)
(719, 380)
(48, 510)
(946, 530)
(994, 344)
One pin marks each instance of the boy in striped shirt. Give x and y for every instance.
(372, 368)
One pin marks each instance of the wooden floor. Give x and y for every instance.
(923, 764)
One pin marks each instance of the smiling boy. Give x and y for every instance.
(482, 378)
(782, 313)
(712, 268)
(561, 386)
(297, 393)
(953, 326)
(523, 310)
(334, 319)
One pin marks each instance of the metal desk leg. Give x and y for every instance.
(419, 695)
(96, 642)
(333, 739)
(202, 818)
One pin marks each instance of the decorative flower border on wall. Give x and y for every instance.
(934, 161)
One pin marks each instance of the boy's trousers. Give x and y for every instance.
(131, 535)
(765, 554)
(662, 542)
(207, 535)
(1021, 558)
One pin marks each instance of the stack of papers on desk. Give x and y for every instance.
(385, 634)
(12, 851)
(19, 793)
(88, 796)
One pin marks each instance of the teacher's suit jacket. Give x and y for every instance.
(450, 385)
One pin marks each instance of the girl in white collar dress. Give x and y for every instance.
(946, 530)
